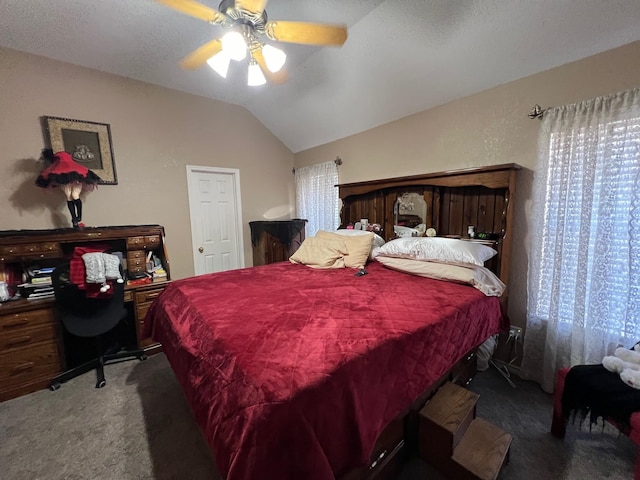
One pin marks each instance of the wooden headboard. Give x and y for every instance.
(455, 199)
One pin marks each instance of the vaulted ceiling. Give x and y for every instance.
(401, 56)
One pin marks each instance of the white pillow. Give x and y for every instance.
(437, 249)
(378, 241)
(478, 277)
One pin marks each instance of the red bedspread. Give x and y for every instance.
(292, 372)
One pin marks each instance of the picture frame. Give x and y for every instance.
(88, 143)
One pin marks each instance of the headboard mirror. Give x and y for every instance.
(453, 200)
(410, 214)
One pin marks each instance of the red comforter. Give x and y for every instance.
(292, 372)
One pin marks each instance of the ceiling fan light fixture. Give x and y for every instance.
(255, 77)
(246, 27)
(234, 46)
(274, 58)
(220, 63)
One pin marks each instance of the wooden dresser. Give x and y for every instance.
(275, 241)
(32, 350)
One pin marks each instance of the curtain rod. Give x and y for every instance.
(337, 161)
(536, 112)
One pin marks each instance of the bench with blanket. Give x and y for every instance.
(592, 390)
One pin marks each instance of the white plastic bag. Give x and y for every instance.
(485, 351)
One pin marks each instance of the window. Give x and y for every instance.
(584, 268)
(317, 197)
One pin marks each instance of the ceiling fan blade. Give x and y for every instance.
(253, 6)
(201, 55)
(195, 9)
(306, 33)
(278, 77)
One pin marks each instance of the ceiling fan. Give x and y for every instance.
(247, 25)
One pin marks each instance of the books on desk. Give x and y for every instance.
(32, 291)
(40, 275)
(38, 283)
(41, 281)
(159, 275)
(40, 295)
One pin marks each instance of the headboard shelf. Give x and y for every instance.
(494, 176)
(455, 199)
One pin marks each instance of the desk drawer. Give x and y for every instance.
(136, 261)
(136, 264)
(133, 254)
(148, 296)
(31, 250)
(26, 337)
(143, 341)
(141, 311)
(10, 250)
(143, 300)
(142, 242)
(151, 241)
(135, 242)
(42, 249)
(22, 365)
(23, 320)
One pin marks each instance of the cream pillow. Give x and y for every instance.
(320, 253)
(358, 246)
(378, 241)
(478, 277)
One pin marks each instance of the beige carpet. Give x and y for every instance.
(140, 427)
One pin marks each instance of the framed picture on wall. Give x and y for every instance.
(88, 143)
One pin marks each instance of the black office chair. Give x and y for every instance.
(89, 317)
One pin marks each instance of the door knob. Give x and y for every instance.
(201, 249)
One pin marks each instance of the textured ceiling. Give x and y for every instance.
(401, 56)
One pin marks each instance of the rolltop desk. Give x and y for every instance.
(32, 345)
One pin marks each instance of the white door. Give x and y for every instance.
(216, 218)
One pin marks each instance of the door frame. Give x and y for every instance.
(235, 173)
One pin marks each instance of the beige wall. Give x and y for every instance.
(488, 128)
(156, 132)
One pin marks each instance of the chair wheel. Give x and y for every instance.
(101, 383)
(54, 386)
(142, 358)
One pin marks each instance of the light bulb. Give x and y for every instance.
(220, 63)
(274, 58)
(256, 77)
(234, 46)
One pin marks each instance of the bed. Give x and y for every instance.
(294, 372)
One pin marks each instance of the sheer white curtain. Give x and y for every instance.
(584, 264)
(317, 197)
